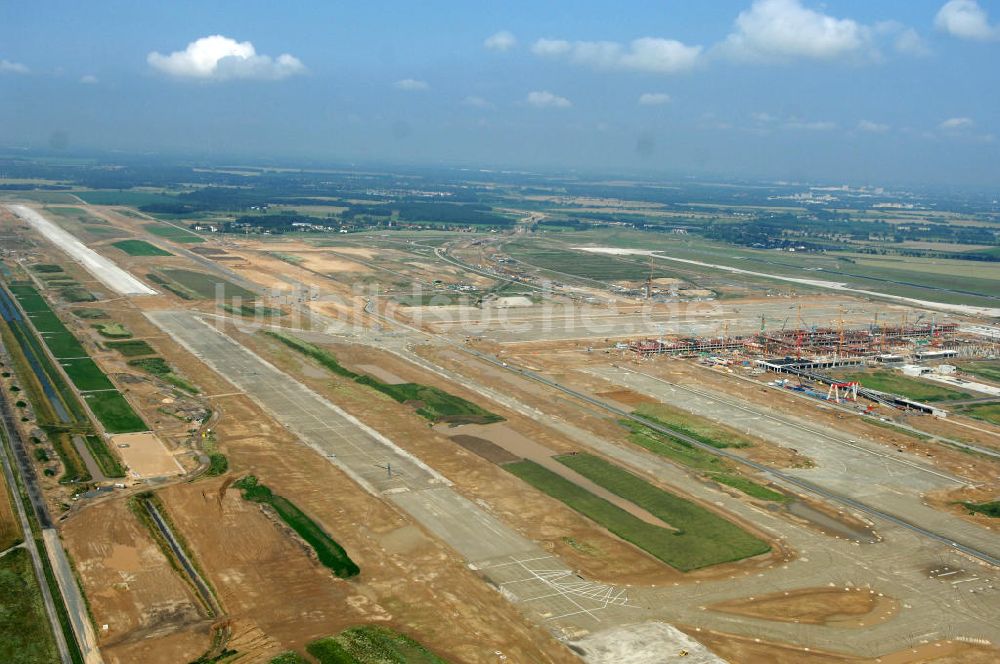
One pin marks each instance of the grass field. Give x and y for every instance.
(673, 448)
(330, 554)
(85, 374)
(288, 657)
(914, 388)
(114, 412)
(25, 637)
(589, 266)
(991, 508)
(699, 428)
(174, 234)
(987, 369)
(888, 274)
(371, 645)
(74, 294)
(207, 286)
(987, 412)
(704, 538)
(429, 402)
(46, 268)
(749, 487)
(140, 248)
(132, 347)
(158, 367)
(112, 330)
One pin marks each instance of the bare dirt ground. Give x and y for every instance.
(150, 612)
(10, 528)
(267, 580)
(856, 607)
(574, 539)
(949, 502)
(145, 455)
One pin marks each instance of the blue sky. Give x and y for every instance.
(881, 92)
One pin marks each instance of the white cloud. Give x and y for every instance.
(8, 67)
(411, 85)
(220, 58)
(873, 127)
(957, 124)
(814, 125)
(910, 42)
(500, 41)
(647, 54)
(545, 99)
(784, 29)
(89, 79)
(654, 99)
(477, 102)
(965, 19)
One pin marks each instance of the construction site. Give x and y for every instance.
(726, 470)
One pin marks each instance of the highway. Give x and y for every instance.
(9, 434)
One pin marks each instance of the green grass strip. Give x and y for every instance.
(330, 554)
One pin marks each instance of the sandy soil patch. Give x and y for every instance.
(145, 455)
(382, 374)
(329, 262)
(854, 607)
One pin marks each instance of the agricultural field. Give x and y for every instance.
(140, 248)
(25, 636)
(914, 388)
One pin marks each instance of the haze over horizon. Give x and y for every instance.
(889, 92)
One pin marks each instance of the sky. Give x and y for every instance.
(888, 92)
